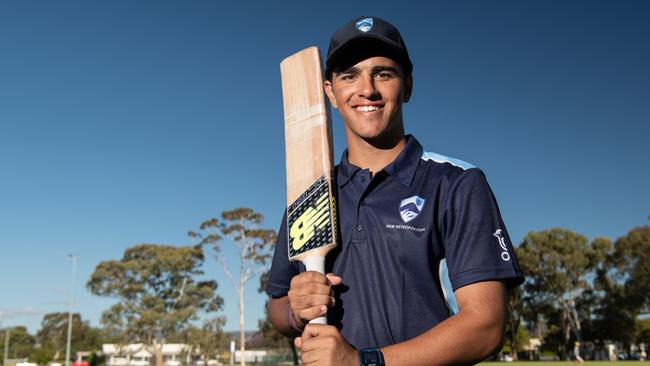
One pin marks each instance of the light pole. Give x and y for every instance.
(67, 346)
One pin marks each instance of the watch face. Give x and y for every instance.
(371, 357)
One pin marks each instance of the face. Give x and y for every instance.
(369, 97)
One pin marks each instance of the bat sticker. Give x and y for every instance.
(310, 219)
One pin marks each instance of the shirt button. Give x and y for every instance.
(359, 227)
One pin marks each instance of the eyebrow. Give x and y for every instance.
(375, 70)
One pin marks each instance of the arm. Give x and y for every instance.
(279, 316)
(466, 338)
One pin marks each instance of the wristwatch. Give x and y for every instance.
(371, 357)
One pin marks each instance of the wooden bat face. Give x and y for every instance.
(310, 203)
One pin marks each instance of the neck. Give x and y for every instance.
(374, 155)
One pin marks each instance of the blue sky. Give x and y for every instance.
(127, 122)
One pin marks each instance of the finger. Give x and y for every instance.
(307, 301)
(318, 338)
(311, 312)
(309, 295)
(310, 358)
(311, 331)
(311, 287)
(334, 279)
(309, 276)
(297, 342)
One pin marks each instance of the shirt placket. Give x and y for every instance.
(361, 183)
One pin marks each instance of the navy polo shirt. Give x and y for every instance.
(410, 235)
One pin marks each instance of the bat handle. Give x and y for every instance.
(316, 263)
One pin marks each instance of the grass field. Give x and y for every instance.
(569, 363)
(547, 363)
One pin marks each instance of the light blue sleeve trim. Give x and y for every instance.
(438, 158)
(447, 290)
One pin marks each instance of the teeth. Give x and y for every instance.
(367, 108)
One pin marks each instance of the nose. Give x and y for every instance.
(367, 87)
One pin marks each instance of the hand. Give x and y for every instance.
(323, 345)
(310, 293)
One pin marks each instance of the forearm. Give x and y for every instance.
(466, 338)
(279, 312)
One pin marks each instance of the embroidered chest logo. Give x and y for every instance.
(502, 243)
(411, 207)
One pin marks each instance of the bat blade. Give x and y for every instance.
(311, 221)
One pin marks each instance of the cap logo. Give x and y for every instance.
(365, 25)
(411, 207)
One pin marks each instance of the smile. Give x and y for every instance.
(367, 108)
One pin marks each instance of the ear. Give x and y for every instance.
(327, 85)
(408, 88)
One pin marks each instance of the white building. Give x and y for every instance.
(139, 354)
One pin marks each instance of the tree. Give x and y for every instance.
(513, 324)
(208, 338)
(254, 246)
(158, 295)
(520, 339)
(52, 336)
(21, 343)
(631, 258)
(268, 330)
(643, 330)
(557, 263)
(624, 281)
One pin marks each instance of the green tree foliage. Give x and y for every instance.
(624, 281)
(52, 337)
(21, 343)
(512, 347)
(209, 338)
(514, 326)
(557, 263)
(157, 292)
(253, 244)
(631, 259)
(643, 329)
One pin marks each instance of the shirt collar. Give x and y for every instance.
(402, 168)
(346, 170)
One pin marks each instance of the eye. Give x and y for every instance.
(345, 77)
(385, 75)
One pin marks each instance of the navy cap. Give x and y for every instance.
(367, 36)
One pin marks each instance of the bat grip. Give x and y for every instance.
(316, 263)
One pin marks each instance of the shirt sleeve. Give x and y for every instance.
(476, 243)
(282, 271)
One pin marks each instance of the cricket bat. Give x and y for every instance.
(311, 218)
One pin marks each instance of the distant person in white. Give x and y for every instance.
(576, 354)
(611, 348)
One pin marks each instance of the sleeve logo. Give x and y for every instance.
(502, 243)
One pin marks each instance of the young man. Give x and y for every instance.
(424, 260)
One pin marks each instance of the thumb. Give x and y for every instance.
(297, 342)
(334, 279)
(310, 331)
